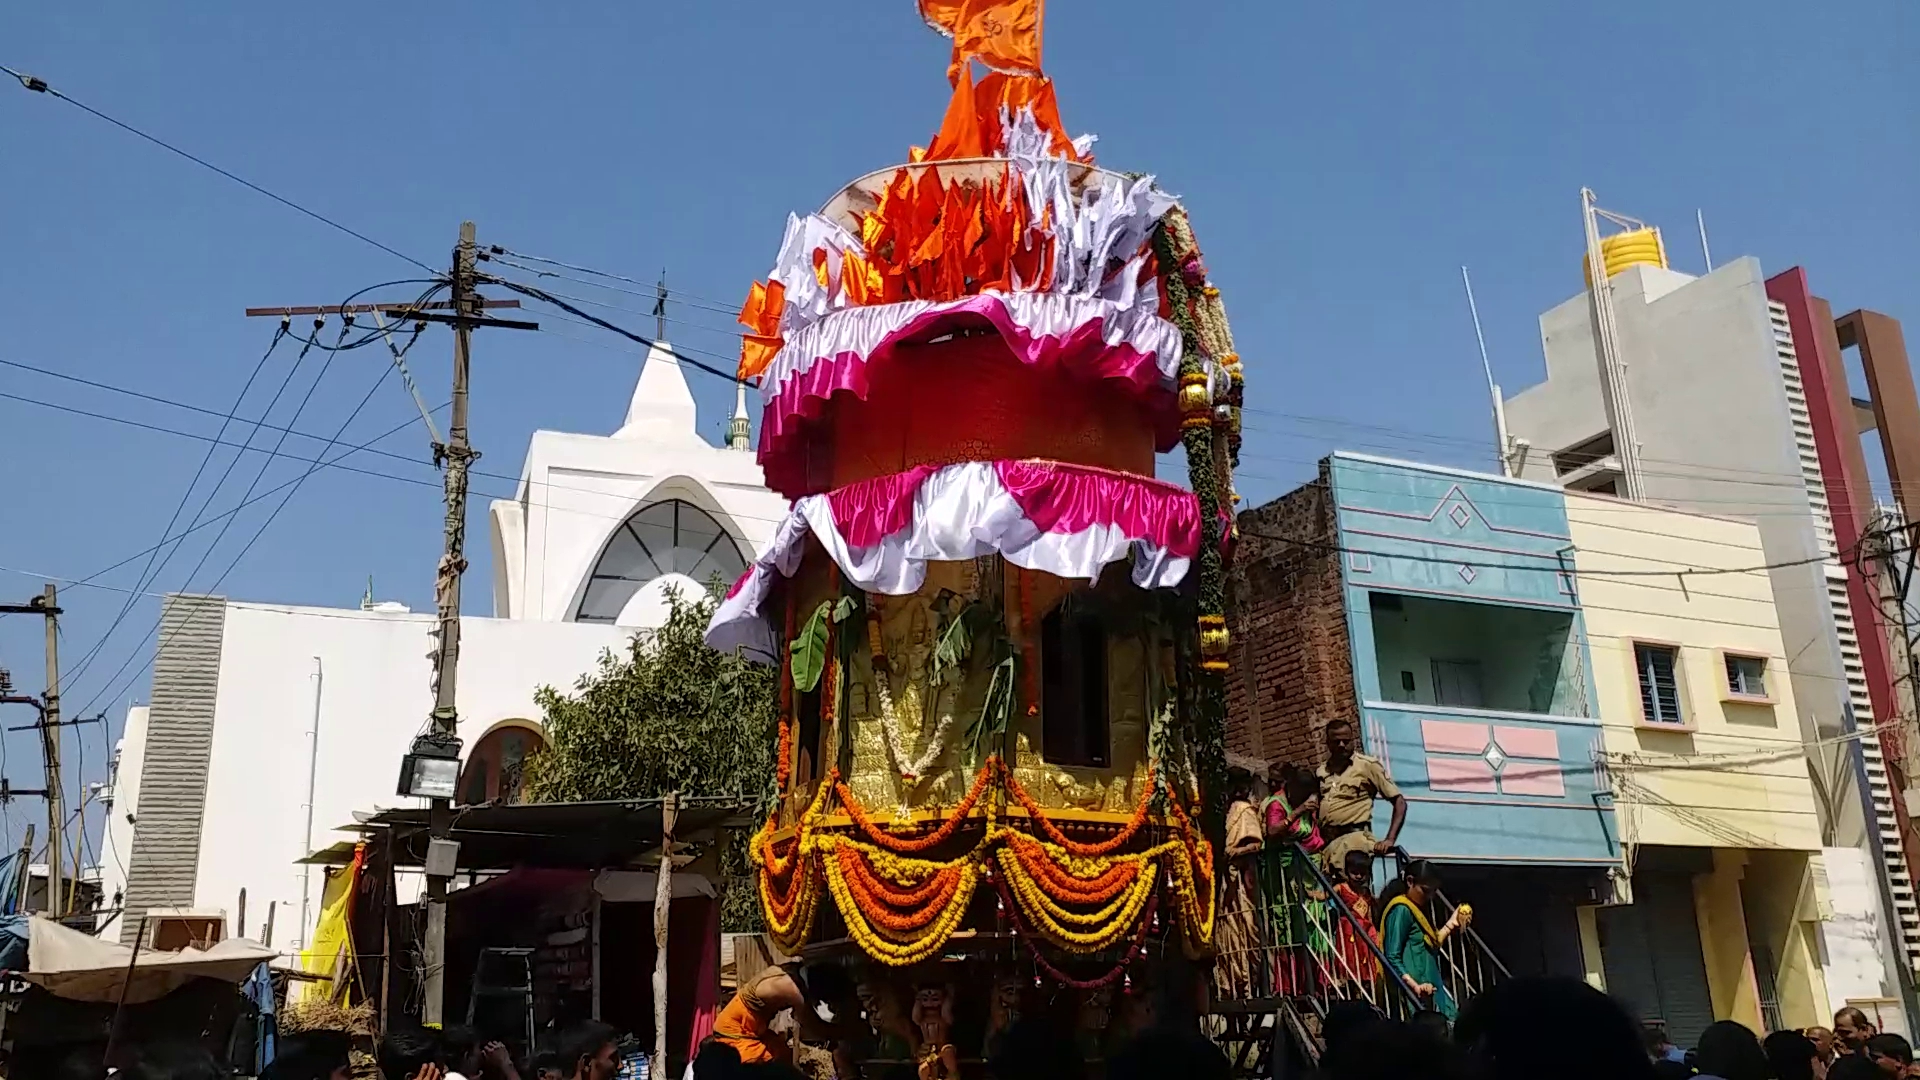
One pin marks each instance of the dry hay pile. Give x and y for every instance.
(317, 1013)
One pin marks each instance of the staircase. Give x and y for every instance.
(1310, 957)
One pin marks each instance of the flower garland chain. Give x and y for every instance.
(1118, 971)
(1183, 275)
(895, 949)
(882, 904)
(910, 768)
(1094, 888)
(939, 835)
(1100, 928)
(1103, 847)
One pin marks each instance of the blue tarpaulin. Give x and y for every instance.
(13, 943)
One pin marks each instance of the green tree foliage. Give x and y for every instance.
(670, 715)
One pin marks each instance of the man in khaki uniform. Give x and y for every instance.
(1349, 783)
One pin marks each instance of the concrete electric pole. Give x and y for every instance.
(47, 606)
(464, 310)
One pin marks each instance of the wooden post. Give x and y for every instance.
(593, 935)
(662, 901)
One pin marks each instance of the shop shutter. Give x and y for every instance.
(1650, 951)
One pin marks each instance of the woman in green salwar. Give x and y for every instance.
(1287, 882)
(1410, 940)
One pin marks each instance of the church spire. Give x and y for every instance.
(739, 430)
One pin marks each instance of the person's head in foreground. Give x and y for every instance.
(1889, 1053)
(311, 1055)
(1852, 1029)
(1528, 1028)
(587, 1051)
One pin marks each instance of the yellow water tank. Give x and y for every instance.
(1635, 247)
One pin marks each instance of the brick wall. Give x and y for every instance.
(1292, 671)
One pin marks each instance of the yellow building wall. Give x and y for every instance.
(1761, 799)
(1733, 776)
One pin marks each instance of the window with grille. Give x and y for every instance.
(1747, 675)
(1659, 683)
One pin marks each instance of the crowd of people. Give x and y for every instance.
(586, 1051)
(1297, 905)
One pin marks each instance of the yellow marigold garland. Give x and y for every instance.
(1033, 904)
(1044, 909)
(921, 946)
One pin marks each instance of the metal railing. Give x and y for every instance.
(1305, 954)
(1467, 965)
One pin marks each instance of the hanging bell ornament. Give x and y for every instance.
(1195, 400)
(1226, 417)
(1213, 636)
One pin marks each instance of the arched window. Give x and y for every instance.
(668, 537)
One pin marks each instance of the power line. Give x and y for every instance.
(212, 493)
(39, 86)
(147, 572)
(275, 513)
(542, 294)
(494, 250)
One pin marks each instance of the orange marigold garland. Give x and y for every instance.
(783, 765)
(1061, 883)
(938, 836)
(1102, 847)
(880, 908)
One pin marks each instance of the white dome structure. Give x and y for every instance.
(603, 527)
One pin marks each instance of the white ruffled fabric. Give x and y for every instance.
(1112, 218)
(959, 512)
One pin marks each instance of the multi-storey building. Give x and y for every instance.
(1602, 753)
(1736, 391)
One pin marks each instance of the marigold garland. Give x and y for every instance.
(1107, 924)
(901, 953)
(791, 925)
(1061, 883)
(881, 902)
(938, 836)
(783, 765)
(1102, 847)
(1113, 975)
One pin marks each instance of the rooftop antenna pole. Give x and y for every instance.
(1503, 448)
(1613, 368)
(1700, 219)
(660, 307)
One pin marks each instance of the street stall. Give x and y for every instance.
(554, 915)
(1000, 636)
(72, 992)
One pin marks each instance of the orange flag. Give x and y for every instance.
(761, 315)
(1003, 34)
(1016, 92)
(960, 135)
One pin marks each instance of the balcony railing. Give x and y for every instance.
(1308, 954)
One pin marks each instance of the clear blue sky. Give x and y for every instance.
(1340, 163)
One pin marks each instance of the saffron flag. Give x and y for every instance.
(1003, 34)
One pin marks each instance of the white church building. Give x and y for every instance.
(269, 725)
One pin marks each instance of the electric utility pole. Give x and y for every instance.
(457, 454)
(47, 606)
(463, 311)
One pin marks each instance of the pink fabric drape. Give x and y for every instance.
(1060, 498)
(869, 510)
(1083, 350)
(706, 991)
